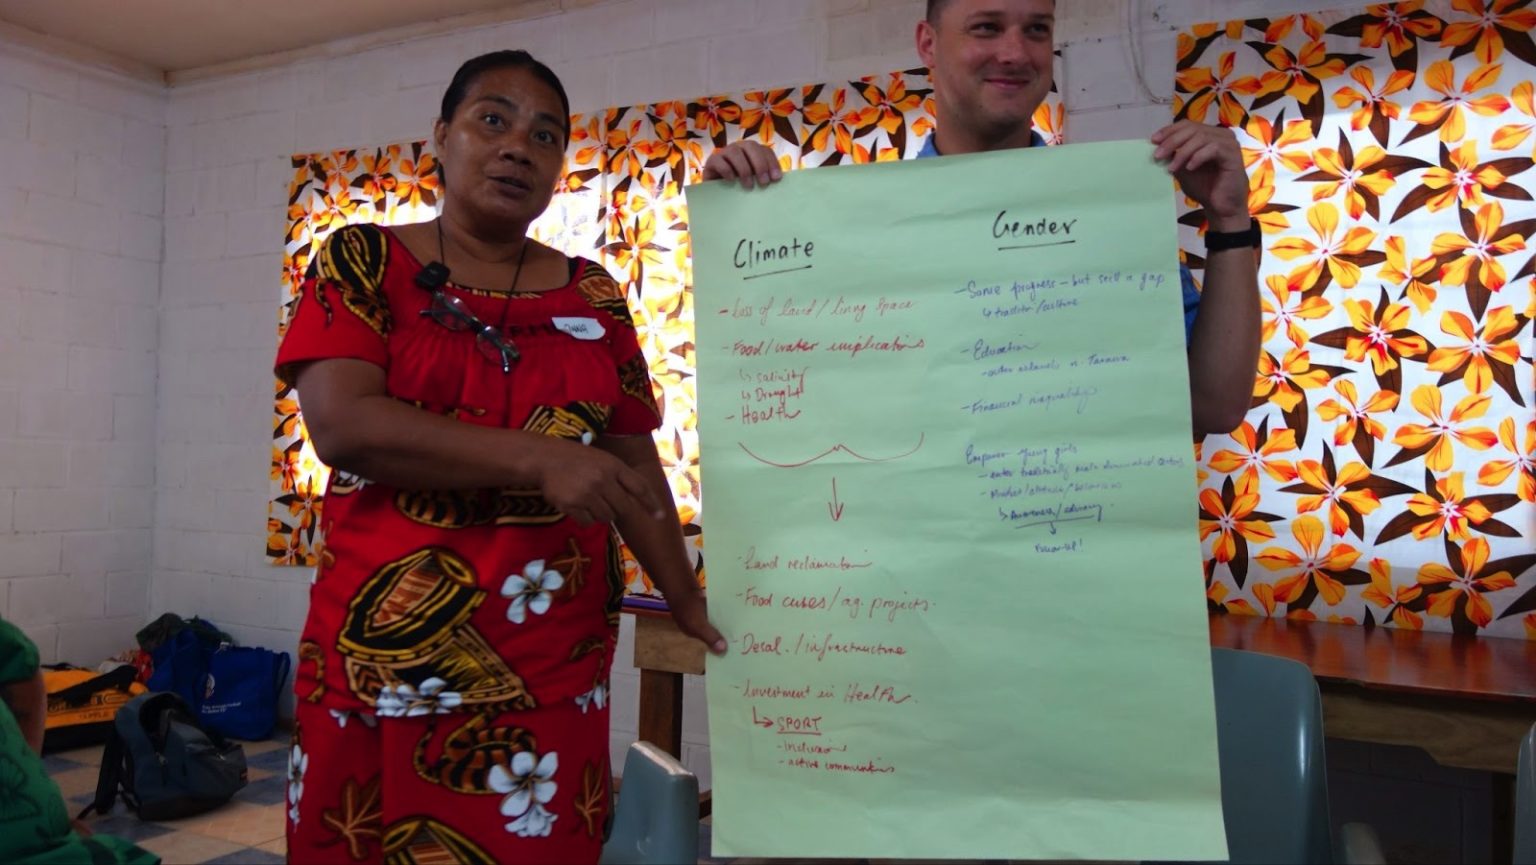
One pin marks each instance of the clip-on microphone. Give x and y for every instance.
(433, 277)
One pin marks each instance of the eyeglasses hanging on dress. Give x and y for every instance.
(454, 314)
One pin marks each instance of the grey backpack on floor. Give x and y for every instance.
(165, 763)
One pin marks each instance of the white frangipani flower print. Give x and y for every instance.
(595, 698)
(298, 764)
(531, 591)
(406, 701)
(342, 716)
(526, 787)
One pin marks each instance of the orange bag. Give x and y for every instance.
(82, 704)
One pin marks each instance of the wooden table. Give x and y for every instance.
(1467, 701)
(663, 656)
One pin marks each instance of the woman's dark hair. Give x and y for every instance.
(472, 69)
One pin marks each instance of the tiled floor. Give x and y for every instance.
(247, 831)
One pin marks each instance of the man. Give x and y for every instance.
(991, 62)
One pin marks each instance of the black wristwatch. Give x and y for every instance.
(1216, 241)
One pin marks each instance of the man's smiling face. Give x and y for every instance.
(991, 62)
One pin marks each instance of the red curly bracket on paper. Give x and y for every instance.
(837, 448)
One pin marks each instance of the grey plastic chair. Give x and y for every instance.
(656, 820)
(1525, 801)
(1274, 779)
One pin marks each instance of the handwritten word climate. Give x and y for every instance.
(773, 258)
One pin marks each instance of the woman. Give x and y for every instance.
(486, 408)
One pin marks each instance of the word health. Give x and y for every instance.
(771, 396)
(852, 692)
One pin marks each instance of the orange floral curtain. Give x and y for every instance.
(620, 203)
(1386, 474)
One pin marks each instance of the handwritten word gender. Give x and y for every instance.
(1004, 227)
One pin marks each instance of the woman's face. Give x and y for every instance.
(503, 149)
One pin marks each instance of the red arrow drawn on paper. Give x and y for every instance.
(765, 723)
(834, 507)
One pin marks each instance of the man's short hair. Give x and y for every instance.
(935, 9)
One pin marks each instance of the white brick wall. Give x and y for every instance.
(135, 386)
(81, 193)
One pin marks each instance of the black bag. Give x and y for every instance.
(163, 629)
(164, 763)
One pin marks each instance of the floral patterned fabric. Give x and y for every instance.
(486, 607)
(492, 592)
(1387, 471)
(619, 203)
(420, 784)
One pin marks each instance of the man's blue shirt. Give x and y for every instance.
(1186, 279)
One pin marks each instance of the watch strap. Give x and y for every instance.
(1216, 241)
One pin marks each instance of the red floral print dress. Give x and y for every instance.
(452, 680)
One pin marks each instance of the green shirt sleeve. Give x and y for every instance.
(18, 654)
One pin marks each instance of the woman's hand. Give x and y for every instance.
(657, 542)
(691, 615)
(591, 485)
(747, 161)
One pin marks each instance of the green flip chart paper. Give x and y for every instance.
(947, 466)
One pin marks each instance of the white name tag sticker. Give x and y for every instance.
(581, 328)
